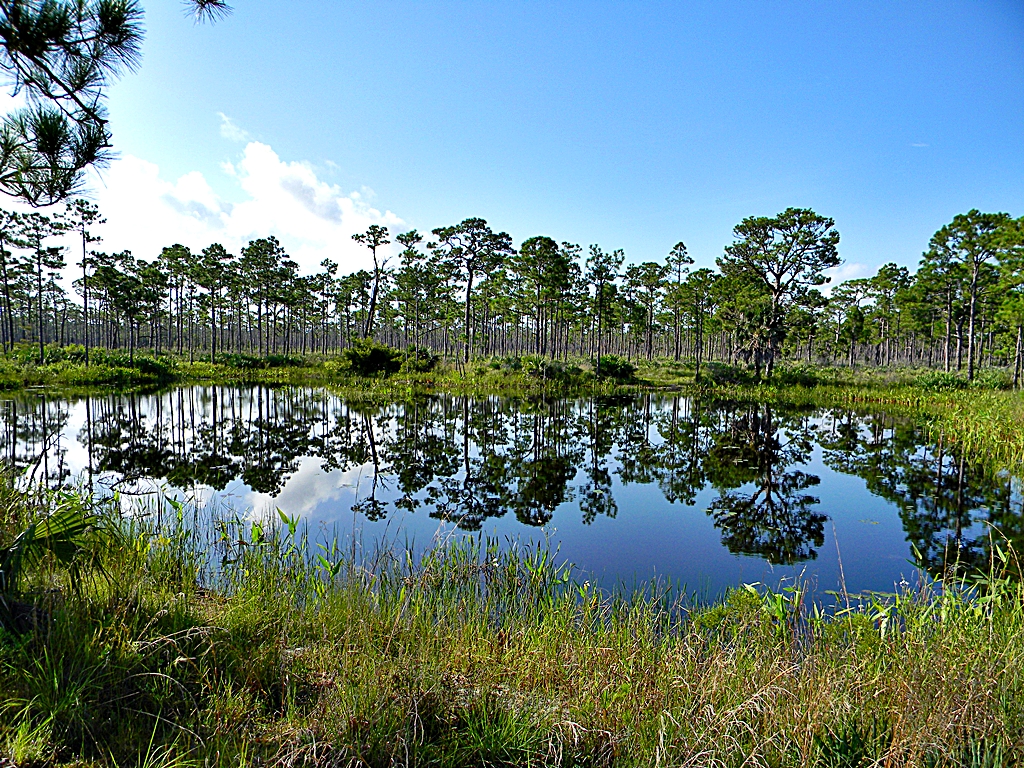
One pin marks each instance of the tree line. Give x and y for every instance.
(465, 290)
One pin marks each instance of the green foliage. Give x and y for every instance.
(367, 357)
(796, 375)
(252, 363)
(723, 374)
(941, 381)
(261, 645)
(539, 368)
(57, 531)
(851, 745)
(615, 368)
(243, 362)
(990, 378)
(419, 360)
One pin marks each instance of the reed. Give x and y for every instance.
(231, 641)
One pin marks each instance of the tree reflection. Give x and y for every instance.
(943, 499)
(775, 520)
(472, 460)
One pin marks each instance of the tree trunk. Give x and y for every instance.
(469, 297)
(85, 296)
(1017, 357)
(7, 298)
(42, 320)
(970, 327)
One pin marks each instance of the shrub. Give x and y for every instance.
(546, 369)
(283, 361)
(74, 353)
(419, 360)
(992, 378)
(615, 368)
(152, 366)
(720, 373)
(538, 367)
(796, 375)
(243, 362)
(511, 363)
(368, 357)
(941, 381)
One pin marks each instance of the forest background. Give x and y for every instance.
(465, 291)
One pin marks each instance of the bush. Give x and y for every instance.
(512, 363)
(615, 368)
(283, 361)
(368, 358)
(721, 373)
(419, 360)
(74, 353)
(941, 381)
(243, 362)
(546, 369)
(992, 378)
(152, 366)
(796, 375)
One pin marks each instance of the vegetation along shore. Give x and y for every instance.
(138, 643)
(173, 639)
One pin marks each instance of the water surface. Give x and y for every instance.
(707, 494)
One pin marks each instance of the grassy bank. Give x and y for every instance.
(368, 368)
(984, 417)
(262, 649)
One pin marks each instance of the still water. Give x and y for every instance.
(706, 494)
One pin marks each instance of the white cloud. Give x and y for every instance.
(313, 219)
(231, 130)
(847, 271)
(312, 493)
(918, 144)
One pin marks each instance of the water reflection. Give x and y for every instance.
(941, 497)
(753, 469)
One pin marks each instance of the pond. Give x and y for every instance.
(706, 494)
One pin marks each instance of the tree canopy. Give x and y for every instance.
(63, 55)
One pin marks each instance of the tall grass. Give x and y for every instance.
(263, 646)
(987, 424)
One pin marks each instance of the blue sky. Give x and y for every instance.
(632, 125)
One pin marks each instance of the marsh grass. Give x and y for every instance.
(255, 643)
(985, 421)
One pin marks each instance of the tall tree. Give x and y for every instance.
(678, 263)
(79, 216)
(602, 271)
(35, 228)
(647, 280)
(177, 262)
(788, 254)
(10, 228)
(1011, 308)
(973, 240)
(701, 293)
(259, 264)
(373, 238)
(545, 267)
(211, 273)
(64, 54)
(472, 248)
